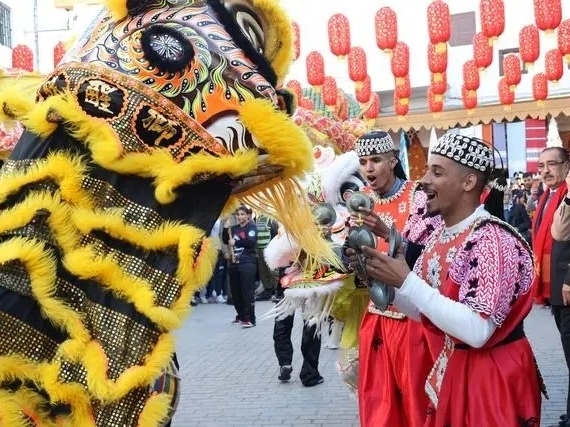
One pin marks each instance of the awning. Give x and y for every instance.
(483, 114)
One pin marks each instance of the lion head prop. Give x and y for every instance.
(335, 176)
(161, 115)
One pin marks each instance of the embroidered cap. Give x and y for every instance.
(375, 142)
(466, 150)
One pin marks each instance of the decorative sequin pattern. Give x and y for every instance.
(165, 287)
(13, 166)
(113, 330)
(124, 412)
(14, 277)
(105, 196)
(25, 340)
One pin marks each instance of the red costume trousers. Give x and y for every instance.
(391, 375)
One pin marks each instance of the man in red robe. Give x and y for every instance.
(471, 291)
(390, 379)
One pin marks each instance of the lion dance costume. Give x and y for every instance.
(164, 113)
(321, 291)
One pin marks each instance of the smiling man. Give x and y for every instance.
(553, 166)
(471, 291)
(390, 379)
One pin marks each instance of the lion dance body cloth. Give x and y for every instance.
(164, 113)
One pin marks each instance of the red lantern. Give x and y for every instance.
(296, 41)
(553, 65)
(564, 39)
(295, 87)
(401, 106)
(22, 58)
(469, 99)
(512, 71)
(439, 25)
(58, 53)
(492, 14)
(307, 103)
(540, 88)
(315, 69)
(435, 102)
(438, 86)
(386, 24)
(357, 67)
(403, 88)
(547, 14)
(471, 80)
(329, 92)
(400, 62)
(363, 92)
(339, 35)
(529, 45)
(437, 61)
(482, 51)
(506, 95)
(373, 110)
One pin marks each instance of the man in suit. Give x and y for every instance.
(560, 281)
(553, 165)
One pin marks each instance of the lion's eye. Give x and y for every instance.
(167, 49)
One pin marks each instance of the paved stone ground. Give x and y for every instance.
(230, 375)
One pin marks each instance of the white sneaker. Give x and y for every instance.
(220, 299)
(203, 300)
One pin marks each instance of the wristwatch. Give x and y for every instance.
(567, 200)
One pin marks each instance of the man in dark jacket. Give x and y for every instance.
(560, 282)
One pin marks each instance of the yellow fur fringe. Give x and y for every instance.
(69, 220)
(283, 198)
(291, 210)
(106, 150)
(73, 214)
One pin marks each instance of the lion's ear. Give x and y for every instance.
(137, 7)
(118, 8)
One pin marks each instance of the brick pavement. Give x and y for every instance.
(230, 375)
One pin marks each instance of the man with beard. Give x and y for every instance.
(471, 291)
(390, 387)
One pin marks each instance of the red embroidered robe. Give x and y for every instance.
(490, 269)
(390, 382)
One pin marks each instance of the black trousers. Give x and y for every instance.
(218, 281)
(242, 285)
(310, 348)
(562, 320)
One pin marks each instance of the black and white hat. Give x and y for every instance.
(375, 142)
(466, 150)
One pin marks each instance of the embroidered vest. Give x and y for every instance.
(393, 210)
